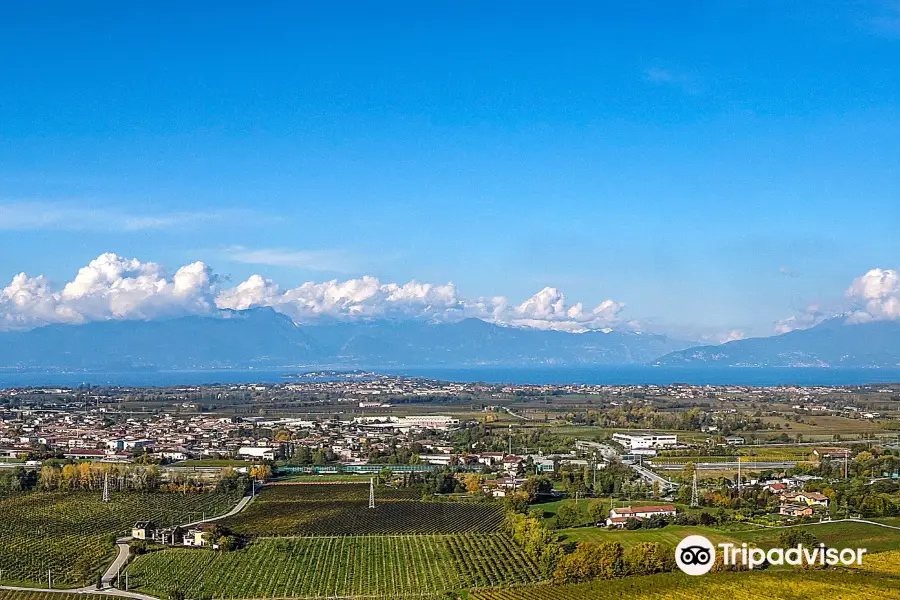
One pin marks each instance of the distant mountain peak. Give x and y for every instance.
(834, 342)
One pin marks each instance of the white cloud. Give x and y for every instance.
(312, 260)
(109, 287)
(69, 216)
(877, 296)
(874, 296)
(112, 287)
(811, 316)
(548, 310)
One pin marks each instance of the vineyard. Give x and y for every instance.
(343, 509)
(11, 595)
(787, 585)
(337, 566)
(70, 533)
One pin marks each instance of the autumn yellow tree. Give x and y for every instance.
(472, 482)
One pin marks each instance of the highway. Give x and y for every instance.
(652, 477)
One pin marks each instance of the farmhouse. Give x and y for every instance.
(169, 535)
(619, 516)
(143, 530)
(808, 498)
(795, 510)
(195, 537)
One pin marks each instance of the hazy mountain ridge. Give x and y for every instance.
(833, 343)
(264, 338)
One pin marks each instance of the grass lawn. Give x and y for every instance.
(311, 478)
(669, 536)
(837, 535)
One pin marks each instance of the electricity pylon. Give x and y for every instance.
(371, 492)
(695, 497)
(106, 488)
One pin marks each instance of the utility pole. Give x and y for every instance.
(595, 473)
(739, 477)
(106, 488)
(510, 439)
(846, 455)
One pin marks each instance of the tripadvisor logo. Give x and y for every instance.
(696, 555)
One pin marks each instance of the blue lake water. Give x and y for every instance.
(621, 375)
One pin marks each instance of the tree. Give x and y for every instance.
(261, 472)
(591, 561)
(648, 558)
(516, 502)
(566, 516)
(472, 481)
(791, 538)
(596, 512)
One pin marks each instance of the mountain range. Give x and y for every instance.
(832, 343)
(264, 338)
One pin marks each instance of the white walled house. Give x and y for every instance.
(619, 516)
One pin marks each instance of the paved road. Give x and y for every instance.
(724, 466)
(106, 591)
(653, 477)
(238, 508)
(121, 559)
(826, 522)
(119, 562)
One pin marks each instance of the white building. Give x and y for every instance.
(429, 422)
(619, 516)
(637, 441)
(263, 452)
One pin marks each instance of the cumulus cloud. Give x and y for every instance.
(110, 287)
(874, 296)
(877, 296)
(113, 287)
(548, 309)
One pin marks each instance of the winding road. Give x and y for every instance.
(112, 571)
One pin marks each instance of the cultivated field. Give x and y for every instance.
(337, 509)
(71, 533)
(11, 595)
(786, 585)
(337, 566)
(836, 535)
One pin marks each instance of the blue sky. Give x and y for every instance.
(712, 166)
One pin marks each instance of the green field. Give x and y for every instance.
(338, 509)
(71, 533)
(337, 566)
(669, 535)
(781, 585)
(213, 462)
(838, 535)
